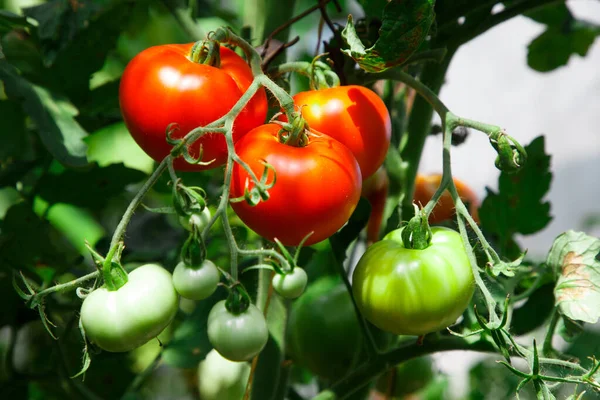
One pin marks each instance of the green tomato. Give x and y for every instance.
(238, 337)
(290, 285)
(221, 379)
(124, 319)
(196, 283)
(414, 292)
(199, 219)
(324, 335)
(410, 377)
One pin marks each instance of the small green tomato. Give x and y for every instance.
(237, 337)
(221, 379)
(292, 284)
(199, 219)
(196, 283)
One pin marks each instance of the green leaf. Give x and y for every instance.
(518, 207)
(114, 145)
(553, 48)
(92, 188)
(52, 115)
(9, 21)
(405, 25)
(26, 240)
(551, 14)
(12, 135)
(573, 260)
(373, 8)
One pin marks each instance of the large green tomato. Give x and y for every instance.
(237, 337)
(324, 335)
(221, 379)
(410, 377)
(414, 292)
(126, 318)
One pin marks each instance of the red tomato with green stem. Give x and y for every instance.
(355, 116)
(162, 85)
(317, 188)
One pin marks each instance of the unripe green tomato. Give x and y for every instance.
(238, 337)
(411, 376)
(124, 319)
(221, 379)
(196, 283)
(290, 285)
(414, 292)
(324, 335)
(200, 219)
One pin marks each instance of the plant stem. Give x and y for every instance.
(67, 286)
(419, 126)
(547, 348)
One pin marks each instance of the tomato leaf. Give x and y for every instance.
(577, 291)
(9, 21)
(92, 188)
(555, 46)
(373, 8)
(53, 116)
(27, 239)
(518, 207)
(405, 25)
(15, 143)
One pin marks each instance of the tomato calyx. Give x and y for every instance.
(296, 133)
(115, 276)
(417, 234)
(206, 52)
(260, 188)
(238, 300)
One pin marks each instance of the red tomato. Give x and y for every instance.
(425, 187)
(375, 190)
(161, 85)
(355, 116)
(317, 188)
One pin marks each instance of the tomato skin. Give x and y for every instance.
(126, 318)
(292, 284)
(414, 292)
(317, 188)
(411, 376)
(355, 116)
(196, 283)
(161, 85)
(237, 337)
(324, 335)
(198, 219)
(425, 187)
(221, 379)
(375, 190)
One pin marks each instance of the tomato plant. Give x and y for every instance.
(316, 190)
(196, 282)
(124, 319)
(425, 187)
(163, 85)
(291, 284)
(104, 114)
(355, 116)
(237, 336)
(393, 285)
(324, 335)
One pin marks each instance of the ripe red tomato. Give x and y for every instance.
(425, 187)
(317, 188)
(355, 116)
(375, 190)
(161, 85)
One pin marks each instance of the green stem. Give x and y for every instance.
(419, 127)
(67, 286)
(547, 348)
